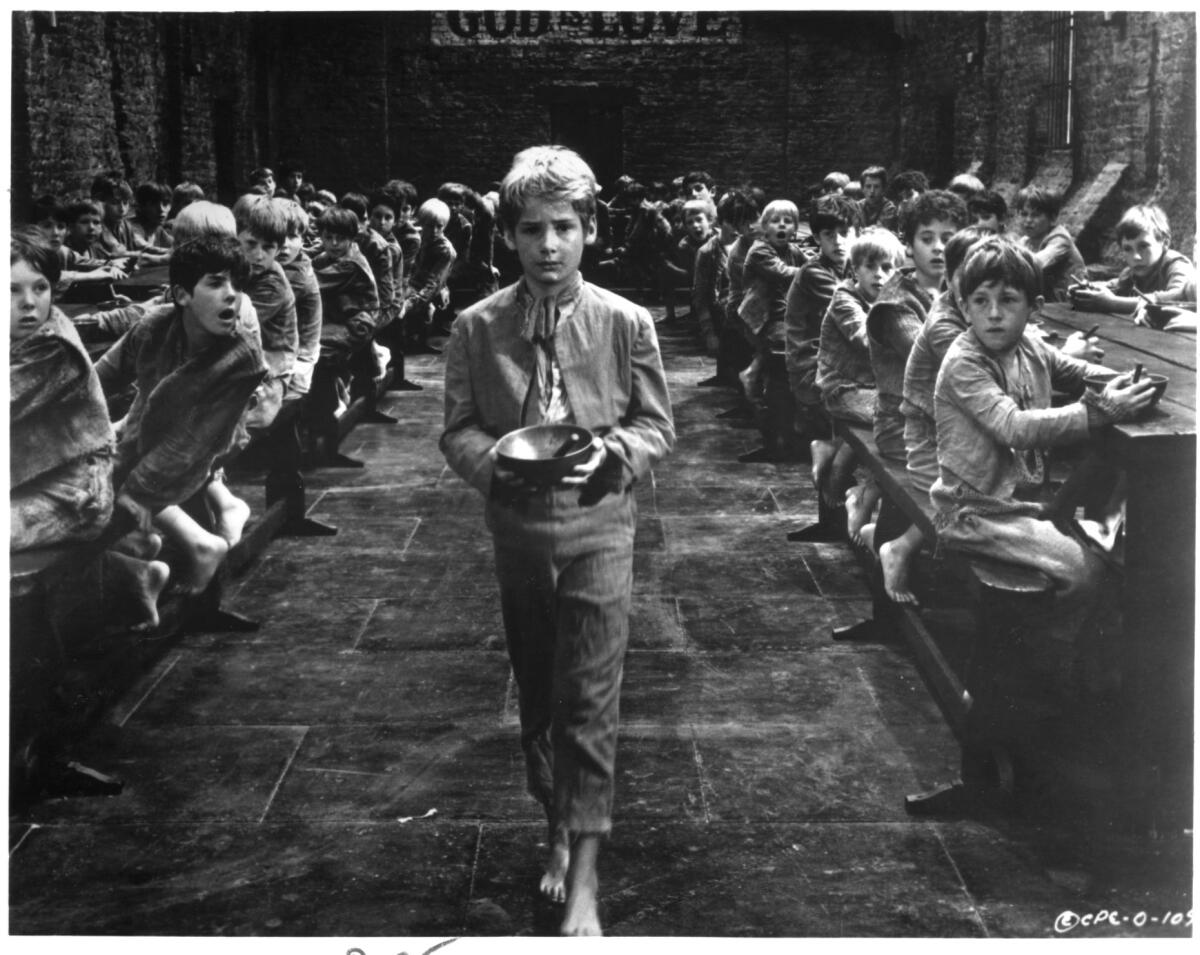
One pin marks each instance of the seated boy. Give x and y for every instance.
(262, 229)
(1059, 259)
(710, 282)
(876, 208)
(698, 218)
(427, 287)
(988, 210)
(834, 221)
(834, 184)
(1154, 272)
(85, 228)
(349, 317)
(898, 314)
(376, 250)
(60, 438)
(262, 182)
(291, 178)
(151, 240)
(995, 421)
(114, 195)
(196, 368)
(554, 348)
(407, 232)
(53, 219)
(733, 351)
(844, 374)
(298, 268)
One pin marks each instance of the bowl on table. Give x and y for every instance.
(544, 453)
(1097, 382)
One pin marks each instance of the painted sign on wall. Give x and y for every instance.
(477, 27)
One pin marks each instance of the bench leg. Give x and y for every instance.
(830, 526)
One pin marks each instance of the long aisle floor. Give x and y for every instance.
(352, 768)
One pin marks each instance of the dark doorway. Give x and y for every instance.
(590, 120)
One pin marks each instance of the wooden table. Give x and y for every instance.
(143, 283)
(1158, 456)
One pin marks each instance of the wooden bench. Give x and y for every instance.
(1000, 594)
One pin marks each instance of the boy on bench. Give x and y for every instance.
(995, 421)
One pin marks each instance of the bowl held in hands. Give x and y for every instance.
(544, 453)
(1098, 381)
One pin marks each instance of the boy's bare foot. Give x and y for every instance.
(229, 513)
(144, 545)
(153, 579)
(554, 881)
(141, 582)
(583, 886)
(895, 558)
(858, 511)
(206, 551)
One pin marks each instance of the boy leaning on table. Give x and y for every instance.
(553, 348)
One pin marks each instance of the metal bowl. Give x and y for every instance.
(1098, 381)
(544, 453)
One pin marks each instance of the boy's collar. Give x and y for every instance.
(530, 303)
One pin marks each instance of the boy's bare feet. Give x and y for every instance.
(140, 544)
(583, 886)
(554, 881)
(860, 503)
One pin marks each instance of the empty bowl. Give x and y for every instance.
(544, 453)
(1098, 381)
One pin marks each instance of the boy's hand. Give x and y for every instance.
(1078, 345)
(116, 273)
(1127, 398)
(1092, 298)
(583, 471)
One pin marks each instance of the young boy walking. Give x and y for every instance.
(553, 348)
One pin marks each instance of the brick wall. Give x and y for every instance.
(775, 99)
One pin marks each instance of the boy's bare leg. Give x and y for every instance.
(229, 513)
(860, 504)
(204, 551)
(144, 545)
(554, 881)
(823, 453)
(583, 887)
(896, 557)
(840, 475)
(866, 537)
(140, 580)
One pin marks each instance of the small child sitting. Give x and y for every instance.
(85, 226)
(262, 225)
(876, 208)
(734, 351)
(897, 316)
(995, 421)
(196, 368)
(771, 265)
(710, 281)
(114, 195)
(1154, 272)
(427, 288)
(834, 221)
(61, 441)
(52, 218)
(1056, 253)
(698, 218)
(844, 373)
(147, 228)
(988, 210)
(298, 268)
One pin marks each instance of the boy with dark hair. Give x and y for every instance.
(907, 185)
(988, 210)
(710, 284)
(699, 185)
(554, 348)
(899, 312)
(196, 367)
(407, 232)
(733, 350)
(698, 217)
(374, 247)
(113, 193)
(875, 208)
(262, 225)
(85, 237)
(1056, 253)
(263, 178)
(291, 178)
(152, 204)
(995, 421)
(834, 221)
(1153, 273)
(53, 218)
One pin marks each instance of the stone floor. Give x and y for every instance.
(352, 768)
